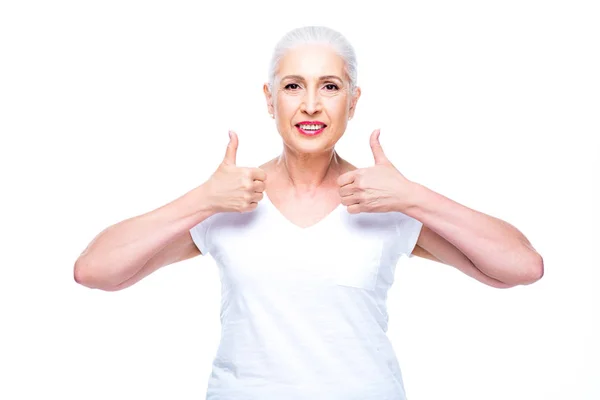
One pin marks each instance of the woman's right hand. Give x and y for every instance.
(232, 188)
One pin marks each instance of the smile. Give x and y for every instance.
(309, 128)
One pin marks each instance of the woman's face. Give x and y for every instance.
(311, 99)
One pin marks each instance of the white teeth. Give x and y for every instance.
(311, 127)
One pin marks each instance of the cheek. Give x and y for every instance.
(287, 104)
(338, 108)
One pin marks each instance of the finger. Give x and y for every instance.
(230, 153)
(354, 209)
(251, 207)
(256, 197)
(378, 153)
(346, 179)
(350, 200)
(258, 186)
(258, 174)
(347, 190)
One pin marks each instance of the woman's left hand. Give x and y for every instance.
(380, 188)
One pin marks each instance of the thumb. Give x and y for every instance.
(378, 153)
(231, 151)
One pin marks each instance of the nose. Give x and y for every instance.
(311, 102)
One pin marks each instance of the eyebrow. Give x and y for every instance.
(321, 78)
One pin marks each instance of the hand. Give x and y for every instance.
(232, 188)
(380, 188)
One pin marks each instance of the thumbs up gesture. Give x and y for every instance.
(232, 188)
(380, 188)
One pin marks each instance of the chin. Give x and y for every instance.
(309, 145)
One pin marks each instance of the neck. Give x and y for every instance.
(306, 172)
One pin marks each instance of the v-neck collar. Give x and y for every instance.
(287, 221)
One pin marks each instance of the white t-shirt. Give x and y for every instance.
(303, 310)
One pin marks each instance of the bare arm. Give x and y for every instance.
(181, 248)
(492, 246)
(125, 252)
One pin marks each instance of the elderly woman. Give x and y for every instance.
(307, 244)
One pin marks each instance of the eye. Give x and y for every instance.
(292, 86)
(332, 86)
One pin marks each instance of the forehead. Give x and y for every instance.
(311, 61)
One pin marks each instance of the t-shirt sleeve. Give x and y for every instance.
(199, 234)
(407, 230)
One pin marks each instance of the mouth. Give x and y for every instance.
(310, 128)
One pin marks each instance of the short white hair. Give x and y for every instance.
(316, 35)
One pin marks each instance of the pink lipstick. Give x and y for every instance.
(310, 128)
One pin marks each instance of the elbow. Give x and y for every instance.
(524, 275)
(93, 277)
(535, 271)
(531, 272)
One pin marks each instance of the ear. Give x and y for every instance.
(269, 98)
(353, 102)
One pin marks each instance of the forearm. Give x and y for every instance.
(494, 246)
(121, 250)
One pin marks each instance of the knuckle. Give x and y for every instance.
(249, 207)
(245, 183)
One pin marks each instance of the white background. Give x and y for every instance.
(111, 109)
